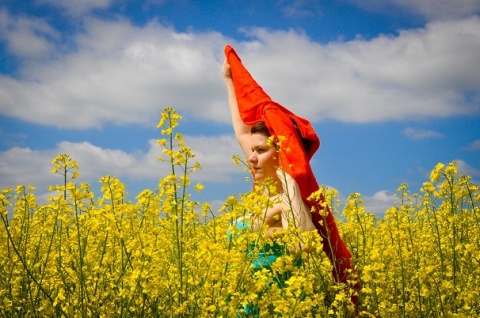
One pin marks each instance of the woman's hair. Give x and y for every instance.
(260, 128)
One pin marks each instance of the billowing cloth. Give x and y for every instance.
(298, 147)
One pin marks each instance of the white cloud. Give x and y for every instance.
(95, 161)
(419, 134)
(474, 145)
(126, 74)
(431, 9)
(466, 169)
(376, 204)
(300, 8)
(442, 9)
(420, 73)
(215, 156)
(121, 74)
(32, 167)
(379, 202)
(78, 7)
(25, 166)
(27, 37)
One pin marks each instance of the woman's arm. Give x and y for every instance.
(295, 212)
(242, 131)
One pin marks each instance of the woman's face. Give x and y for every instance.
(264, 158)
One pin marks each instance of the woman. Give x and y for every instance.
(263, 159)
(285, 161)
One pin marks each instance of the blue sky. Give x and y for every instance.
(391, 87)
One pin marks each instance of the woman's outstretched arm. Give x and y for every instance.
(242, 131)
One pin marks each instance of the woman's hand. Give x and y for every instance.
(227, 72)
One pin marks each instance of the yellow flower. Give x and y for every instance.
(161, 142)
(435, 174)
(199, 187)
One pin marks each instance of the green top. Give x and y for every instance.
(265, 256)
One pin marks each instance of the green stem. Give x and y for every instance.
(81, 260)
(27, 269)
(454, 239)
(402, 266)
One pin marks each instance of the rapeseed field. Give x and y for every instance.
(166, 255)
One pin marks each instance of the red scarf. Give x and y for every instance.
(254, 106)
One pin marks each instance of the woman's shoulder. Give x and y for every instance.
(285, 177)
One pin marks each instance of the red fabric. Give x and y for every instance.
(254, 106)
